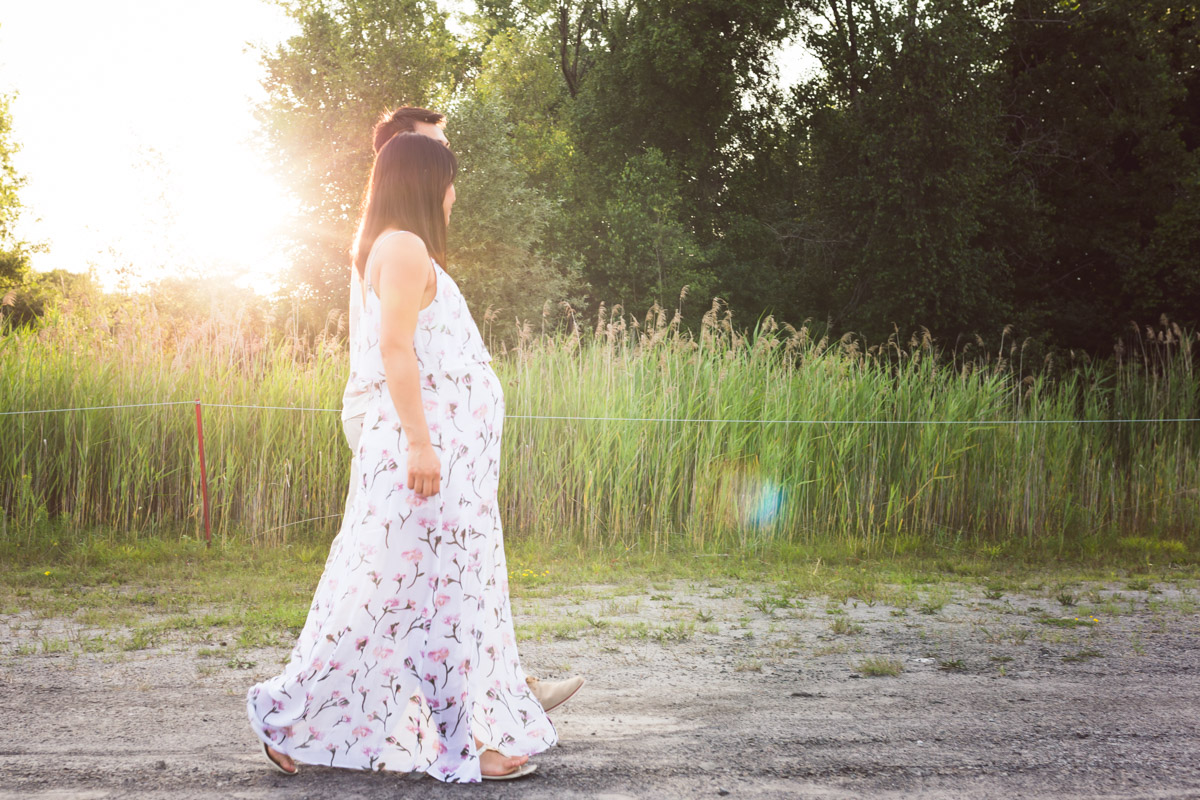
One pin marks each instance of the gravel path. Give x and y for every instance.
(694, 690)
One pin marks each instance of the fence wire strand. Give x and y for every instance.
(702, 420)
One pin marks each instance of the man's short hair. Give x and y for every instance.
(403, 120)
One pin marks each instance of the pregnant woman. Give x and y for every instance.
(407, 661)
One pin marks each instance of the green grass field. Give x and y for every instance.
(902, 449)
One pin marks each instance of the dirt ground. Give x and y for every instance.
(694, 690)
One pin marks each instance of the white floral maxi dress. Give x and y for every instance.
(408, 648)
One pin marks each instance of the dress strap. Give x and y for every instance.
(371, 255)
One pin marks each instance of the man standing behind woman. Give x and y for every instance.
(411, 119)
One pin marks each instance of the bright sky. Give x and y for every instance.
(136, 128)
(135, 119)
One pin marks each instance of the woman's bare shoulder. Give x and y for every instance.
(402, 246)
(403, 255)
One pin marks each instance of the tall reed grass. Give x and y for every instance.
(709, 442)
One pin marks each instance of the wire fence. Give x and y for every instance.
(993, 421)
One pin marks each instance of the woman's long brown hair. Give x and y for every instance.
(408, 187)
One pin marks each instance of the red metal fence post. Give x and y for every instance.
(203, 475)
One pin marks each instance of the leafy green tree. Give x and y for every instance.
(1105, 107)
(496, 242)
(910, 187)
(326, 87)
(652, 109)
(14, 253)
(649, 252)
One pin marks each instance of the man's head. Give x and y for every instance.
(410, 119)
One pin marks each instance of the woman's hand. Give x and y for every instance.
(424, 470)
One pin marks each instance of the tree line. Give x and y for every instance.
(961, 165)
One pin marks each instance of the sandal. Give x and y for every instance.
(518, 772)
(276, 764)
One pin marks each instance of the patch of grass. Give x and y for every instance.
(768, 604)
(1069, 622)
(564, 629)
(1082, 655)
(843, 626)
(1147, 548)
(142, 638)
(55, 645)
(880, 667)
(1012, 633)
(952, 665)
(616, 608)
(678, 632)
(93, 644)
(631, 630)
(749, 665)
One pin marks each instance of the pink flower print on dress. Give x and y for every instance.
(441, 600)
(361, 731)
(361, 642)
(413, 556)
(382, 652)
(440, 655)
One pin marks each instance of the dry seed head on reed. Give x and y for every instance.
(333, 322)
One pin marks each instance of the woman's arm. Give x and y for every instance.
(402, 271)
